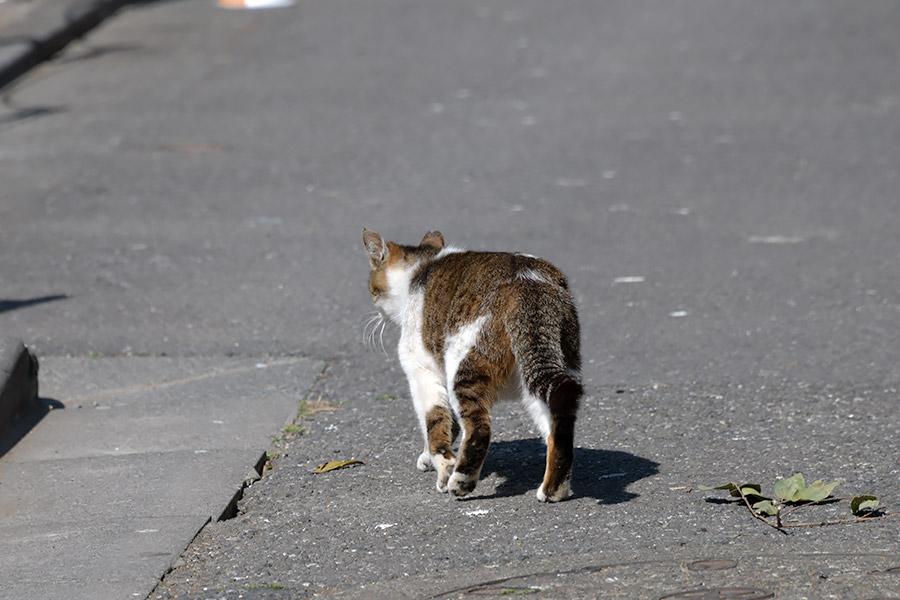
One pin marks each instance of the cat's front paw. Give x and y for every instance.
(461, 485)
(444, 467)
(423, 463)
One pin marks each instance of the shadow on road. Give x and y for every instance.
(8, 305)
(33, 112)
(600, 474)
(25, 421)
(92, 52)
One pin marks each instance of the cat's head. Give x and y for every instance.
(392, 268)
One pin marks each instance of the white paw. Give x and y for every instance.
(423, 463)
(460, 485)
(444, 468)
(562, 493)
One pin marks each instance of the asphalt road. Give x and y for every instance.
(718, 179)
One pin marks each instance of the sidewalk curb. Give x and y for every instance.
(50, 29)
(18, 379)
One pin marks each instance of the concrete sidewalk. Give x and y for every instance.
(109, 474)
(135, 456)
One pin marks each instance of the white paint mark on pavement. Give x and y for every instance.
(254, 4)
(775, 239)
(572, 183)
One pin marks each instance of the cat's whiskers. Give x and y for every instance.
(373, 320)
(373, 328)
(381, 334)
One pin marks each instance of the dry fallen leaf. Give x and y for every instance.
(311, 407)
(331, 465)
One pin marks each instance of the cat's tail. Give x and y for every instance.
(545, 341)
(545, 336)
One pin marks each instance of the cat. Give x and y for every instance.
(474, 327)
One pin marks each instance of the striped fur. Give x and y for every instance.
(474, 325)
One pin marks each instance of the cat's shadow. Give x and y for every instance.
(600, 474)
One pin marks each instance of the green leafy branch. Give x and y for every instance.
(793, 493)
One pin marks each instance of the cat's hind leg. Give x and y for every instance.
(474, 391)
(563, 404)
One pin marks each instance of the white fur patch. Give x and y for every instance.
(396, 303)
(456, 348)
(537, 410)
(449, 250)
(539, 413)
(426, 381)
(423, 463)
(531, 275)
(564, 491)
(444, 468)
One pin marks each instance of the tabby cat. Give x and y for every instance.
(477, 327)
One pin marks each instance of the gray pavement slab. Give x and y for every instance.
(71, 558)
(78, 589)
(178, 483)
(121, 406)
(140, 453)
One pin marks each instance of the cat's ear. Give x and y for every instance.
(435, 239)
(376, 247)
